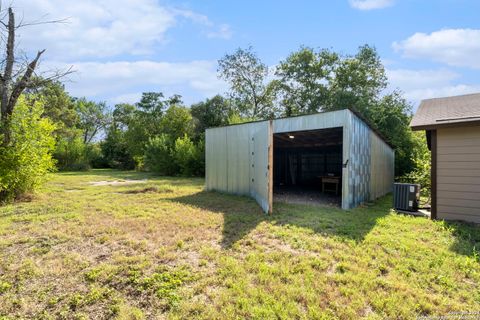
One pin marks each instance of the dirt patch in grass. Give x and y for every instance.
(26, 197)
(116, 182)
(153, 189)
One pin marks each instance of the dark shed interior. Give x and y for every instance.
(308, 166)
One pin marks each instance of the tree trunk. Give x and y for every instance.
(9, 92)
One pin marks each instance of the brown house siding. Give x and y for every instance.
(458, 174)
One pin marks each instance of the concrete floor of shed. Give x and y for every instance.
(309, 196)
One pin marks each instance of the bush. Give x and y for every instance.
(181, 157)
(70, 154)
(421, 157)
(158, 156)
(185, 155)
(25, 163)
(115, 151)
(94, 156)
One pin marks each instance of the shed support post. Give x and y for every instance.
(270, 167)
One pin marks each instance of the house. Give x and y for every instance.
(452, 126)
(336, 151)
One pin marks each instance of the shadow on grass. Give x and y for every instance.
(467, 238)
(242, 215)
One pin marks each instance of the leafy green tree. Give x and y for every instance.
(391, 115)
(115, 147)
(310, 81)
(115, 150)
(59, 107)
(358, 81)
(93, 117)
(131, 127)
(185, 155)
(210, 113)
(304, 79)
(70, 153)
(26, 160)
(177, 122)
(159, 156)
(421, 158)
(247, 77)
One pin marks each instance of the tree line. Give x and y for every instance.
(161, 134)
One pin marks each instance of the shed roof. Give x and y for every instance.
(356, 113)
(450, 111)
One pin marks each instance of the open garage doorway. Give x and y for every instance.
(308, 167)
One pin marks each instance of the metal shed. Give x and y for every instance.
(240, 158)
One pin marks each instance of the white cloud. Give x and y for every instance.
(103, 28)
(407, 79)
(371, 4)
(123, 81)
(223, 32)
(424, 84)
(454, 47)
(446, 91)
(126, 98)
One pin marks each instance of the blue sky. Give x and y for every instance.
(124, 47)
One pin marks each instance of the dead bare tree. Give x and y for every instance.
(16, 76)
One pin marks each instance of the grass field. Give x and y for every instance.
(163, 248)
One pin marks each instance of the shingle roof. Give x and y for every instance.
(447, 111)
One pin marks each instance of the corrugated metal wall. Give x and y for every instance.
(236, 160)
(325, 120)
(311, 122)
(371, 167)
(237, 157)
(382, 167)
(358, 178)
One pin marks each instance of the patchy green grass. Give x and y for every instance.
(97, 245)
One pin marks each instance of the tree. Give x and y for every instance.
(304, 79)
(358, 81)
(15, 76)
(115, 147)
(143, 121)
(247, 76)
(59, 106)
(422, 158)
(159, 155)
(391, 115)
(92, 117)
(177, 122)
(310, 81)
(210, 113)
(185, 155)
(27, 159)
